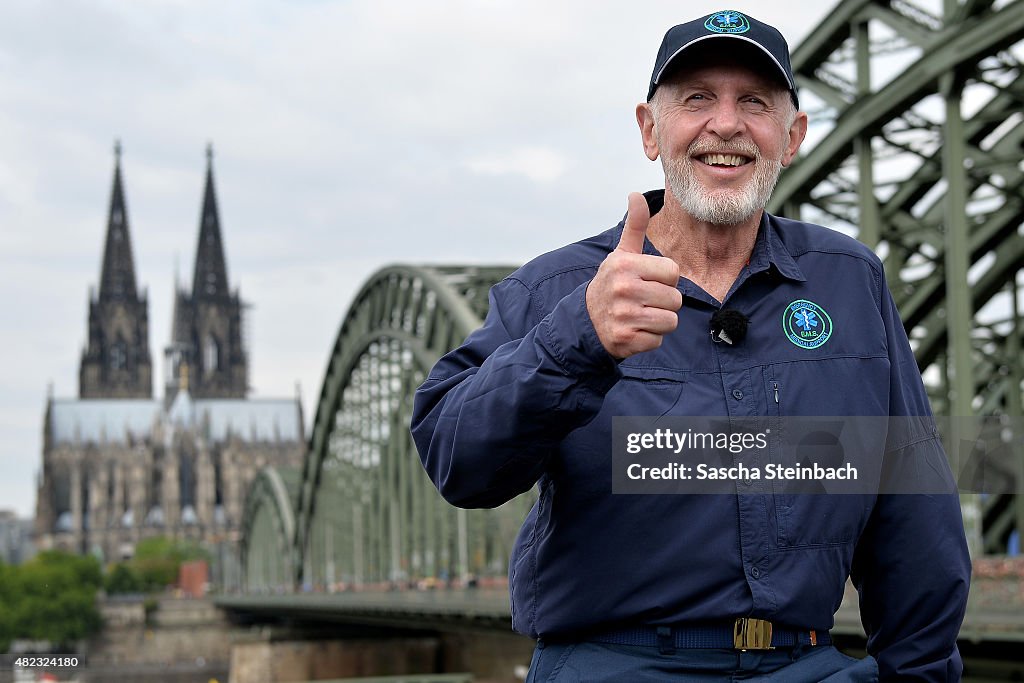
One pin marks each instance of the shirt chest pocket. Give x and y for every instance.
(648, 391)
(810, 405)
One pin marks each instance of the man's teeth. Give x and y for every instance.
(723, 159)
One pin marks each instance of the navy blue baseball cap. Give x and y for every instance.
(721, 25)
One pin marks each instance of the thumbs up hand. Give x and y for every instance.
(633, 300)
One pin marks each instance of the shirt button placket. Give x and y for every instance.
(753, 522)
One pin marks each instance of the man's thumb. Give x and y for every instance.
(638, 216)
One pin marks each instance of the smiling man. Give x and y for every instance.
(676, 312)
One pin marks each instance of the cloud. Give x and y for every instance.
(539, 164)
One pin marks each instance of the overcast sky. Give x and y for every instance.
(347, 136)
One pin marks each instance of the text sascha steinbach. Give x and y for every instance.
(741, 472)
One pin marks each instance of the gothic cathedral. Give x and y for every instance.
(120, 465)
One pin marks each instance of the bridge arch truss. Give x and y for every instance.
(367, 514)
(268, 531)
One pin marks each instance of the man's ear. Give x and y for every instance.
(797, 133)
(645, 119)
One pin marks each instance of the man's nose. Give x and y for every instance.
(725, 120)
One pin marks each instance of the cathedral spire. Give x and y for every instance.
(117, 276)
(211, 277)
(206, 335)
(116, 361)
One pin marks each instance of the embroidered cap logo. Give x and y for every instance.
(806, 324)
(727, 22)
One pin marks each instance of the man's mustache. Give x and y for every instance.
(742, 148)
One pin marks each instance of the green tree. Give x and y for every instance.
(156, 573)
(157, 560)
(50, 597)
(7, 591)
(164, 547)
(123, 578)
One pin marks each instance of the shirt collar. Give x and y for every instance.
(771, 251)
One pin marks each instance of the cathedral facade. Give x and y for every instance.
(120, 464)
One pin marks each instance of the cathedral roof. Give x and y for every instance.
(115, 420)
(252, 419)
(101, 419)
(117, 275)
(210, 279)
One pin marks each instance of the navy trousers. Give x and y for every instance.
(587, 662)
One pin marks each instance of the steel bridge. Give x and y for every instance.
(362, 513)
(916, 148)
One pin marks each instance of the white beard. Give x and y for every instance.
(720, 206)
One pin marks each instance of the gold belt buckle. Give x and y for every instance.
(752, 634)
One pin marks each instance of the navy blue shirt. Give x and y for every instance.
(529, 399)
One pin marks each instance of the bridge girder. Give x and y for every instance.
(268, 531)
(367, 513)
(895, 128)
